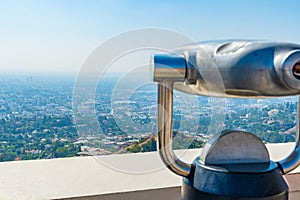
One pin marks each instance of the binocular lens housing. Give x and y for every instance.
(240, 69)
(296, 70)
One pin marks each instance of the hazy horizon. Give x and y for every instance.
(53, 36)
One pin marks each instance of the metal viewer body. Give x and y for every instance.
(239, 69)
(256, 69)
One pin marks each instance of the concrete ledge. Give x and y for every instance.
(172, 193)
(129, 176)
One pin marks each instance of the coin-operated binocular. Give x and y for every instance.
(234, 164)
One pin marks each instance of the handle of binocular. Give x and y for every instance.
(164, 123)
(292, 161)
(165, 111)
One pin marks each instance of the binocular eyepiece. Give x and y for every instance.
(296, 70)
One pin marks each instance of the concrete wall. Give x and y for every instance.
(129, 176)
(173, 193)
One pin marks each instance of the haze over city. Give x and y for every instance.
(57, 36)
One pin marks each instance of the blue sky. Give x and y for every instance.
(58, 35)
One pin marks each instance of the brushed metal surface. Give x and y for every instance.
(256, 69)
